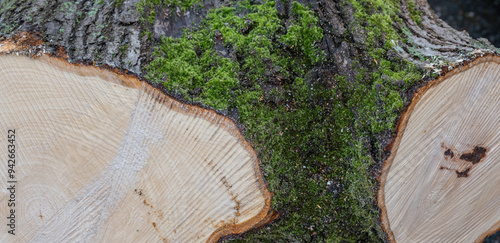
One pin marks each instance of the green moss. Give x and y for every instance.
(123, 49)
(375, 102)
(316, 141)
(379, 98)
(305, 27)
(191, 63)
(118, 3)
(416, 15)
(377, 17)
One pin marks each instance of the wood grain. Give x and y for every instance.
(441, 182)
(102, 157)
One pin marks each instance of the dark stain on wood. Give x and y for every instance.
(233, 197)
(464, 173)
(445, 168)
(449, 153)
(138, 192)
(476, 156)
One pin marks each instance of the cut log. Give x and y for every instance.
(440, 183)
(103, 157)
(374, 52)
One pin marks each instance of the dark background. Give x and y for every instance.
(481, 18)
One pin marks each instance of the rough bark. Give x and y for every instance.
(89, 31)
(425, 41)
(100, 32)
(108, 33)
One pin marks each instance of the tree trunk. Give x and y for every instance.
(377, 54)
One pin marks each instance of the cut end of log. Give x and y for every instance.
(440, 183)
(103, 157)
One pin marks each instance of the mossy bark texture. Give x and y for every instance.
(316, 85)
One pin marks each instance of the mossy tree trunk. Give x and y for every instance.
(108, 31)
(343, 101)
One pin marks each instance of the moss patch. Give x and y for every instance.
(225, 62)
(317, 141)
(414, 13)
